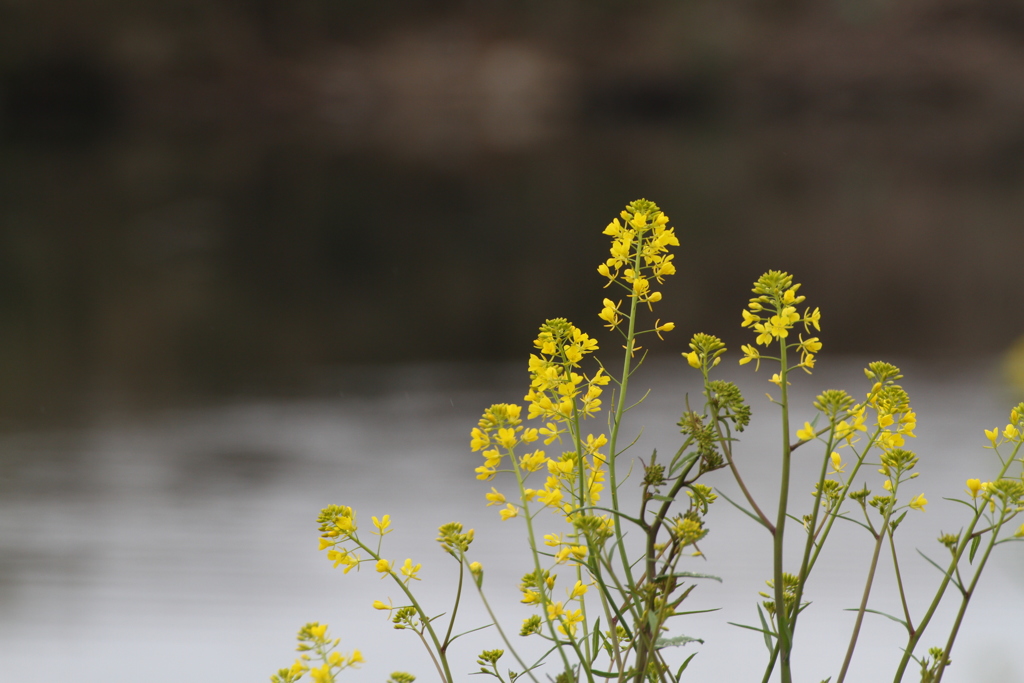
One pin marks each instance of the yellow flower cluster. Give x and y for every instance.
(338, 525)
(554, 384)
(638, 255)
(313, 639)
(772, 314)
(1012, 433)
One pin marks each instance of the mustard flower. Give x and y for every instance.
(570, 620)
(383, 566)
(379, 605)
(555, 610)
(837, 463)
(551, 497)
(494, 497)
(812, 319)
(807, 433)
(382, 525)
(993, 435)
(918, 502)
(579, 589)
(1020, 532)
(509, 512)
(751, 354)
(409, 570)
(533, 461)
(322, 674)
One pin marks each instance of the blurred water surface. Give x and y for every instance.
(181, 545)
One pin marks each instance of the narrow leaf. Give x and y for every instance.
(874, 611)
(974, 548)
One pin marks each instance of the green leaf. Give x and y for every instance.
(684, 665)
(874, 611)
(693, 575)
(895, 523)
(675, 642)
(768, 643)
(742, 509)
(944, 572)
(974, 548)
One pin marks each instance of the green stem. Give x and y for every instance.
(785, 637)
(879, 538)
(501, 632)
(446, 674)
(915, 637)
(967, 598)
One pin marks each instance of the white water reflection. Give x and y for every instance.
(183, 546)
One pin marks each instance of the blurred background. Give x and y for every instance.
(205, 198)
(220, 216)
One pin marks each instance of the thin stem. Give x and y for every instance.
(967, 598)
(455, 608)
(908, 651)
(899, 584)
(879, 538)
(501, 632)
(785, 636)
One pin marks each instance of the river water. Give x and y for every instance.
(181, 544)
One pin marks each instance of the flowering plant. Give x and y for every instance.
(622, 599)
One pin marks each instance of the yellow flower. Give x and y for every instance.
(555, 610)
(577, 590)
(1020, 532)
(918, 502)
(569, 622)
(377, 604)
(382, 524)
(807, 433)
(812, 345)
(692, 359)
(837, 462)
(812, 318)
(507, 437)
(321, 675)
(749, 319)
(409, 570)
(1011, 432)
(973, 486)
(509, 512)
(318, 631)
(550, 496)
(355, 658)
(533, 461)
(993, 435)
(751, 354)
(494, 497)
(888, 485)
(383, 566)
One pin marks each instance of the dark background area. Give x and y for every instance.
(205, 199)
